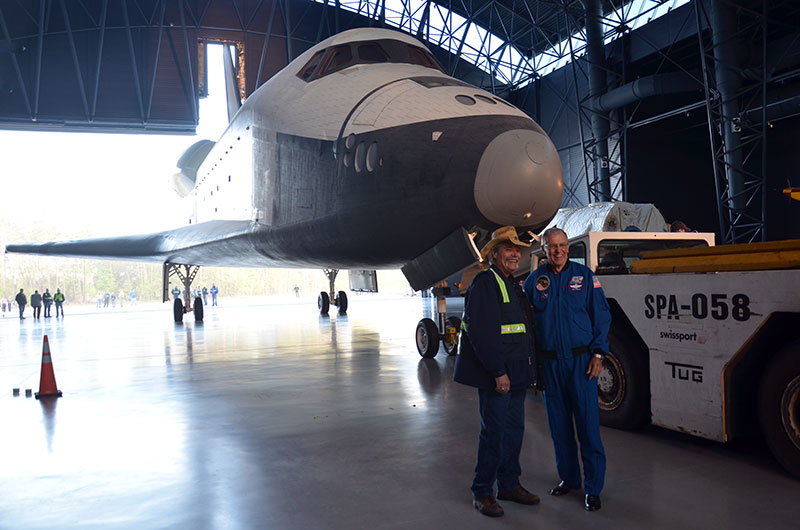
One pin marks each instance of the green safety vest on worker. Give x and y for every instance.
(58, 298)
(479, 369)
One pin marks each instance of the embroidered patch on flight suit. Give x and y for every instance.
(576, 284)
(596, 283)
(542, 283)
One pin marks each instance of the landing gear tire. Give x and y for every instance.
(450, 339)
(323, 303)
(198, 309)
(427, 338)
(341, 301)
(177, 310)
(779, 407)
(623, 386)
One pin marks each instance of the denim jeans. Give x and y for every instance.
(500, 441)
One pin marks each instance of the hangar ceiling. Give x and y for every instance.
(136, 65)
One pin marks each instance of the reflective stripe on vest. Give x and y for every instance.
(502, 285)
(507, 329)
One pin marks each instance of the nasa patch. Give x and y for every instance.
(576, 284)
(542, 283)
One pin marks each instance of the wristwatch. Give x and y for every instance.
(598, 356)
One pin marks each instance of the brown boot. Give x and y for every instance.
(488, 506)
(519, 495)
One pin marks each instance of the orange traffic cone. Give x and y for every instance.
(47, 381)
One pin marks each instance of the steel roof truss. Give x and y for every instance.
(75, 61)
(98, 63)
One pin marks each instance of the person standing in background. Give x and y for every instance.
(214, 292)
(59, 299)
(36, 304)
(22, 301)
(47, 299)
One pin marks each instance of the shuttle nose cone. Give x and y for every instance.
(519, 180)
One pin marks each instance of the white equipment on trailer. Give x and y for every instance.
(704, 339)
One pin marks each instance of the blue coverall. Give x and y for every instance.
(572, 323)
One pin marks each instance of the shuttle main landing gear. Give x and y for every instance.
(447, 329)
(186, 276)
(325, 300)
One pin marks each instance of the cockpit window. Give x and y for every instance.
(339, 57)
(420, 57)
(371, 52)
(307, 70)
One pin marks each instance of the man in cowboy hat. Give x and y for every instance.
(496, 356)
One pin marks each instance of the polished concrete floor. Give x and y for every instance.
(270, 416)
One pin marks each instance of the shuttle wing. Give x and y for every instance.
(212, 243)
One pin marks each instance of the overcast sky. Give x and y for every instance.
(116, 183)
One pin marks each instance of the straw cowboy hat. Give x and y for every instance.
(504, 233)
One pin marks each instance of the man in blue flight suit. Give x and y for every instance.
(572, 322)
(214, 291)
(495, 355)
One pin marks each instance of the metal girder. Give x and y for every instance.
(99, 60)
(604, 168)
(738, 144)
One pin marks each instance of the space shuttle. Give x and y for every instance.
(362, 153)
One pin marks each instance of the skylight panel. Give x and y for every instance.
(447, 30)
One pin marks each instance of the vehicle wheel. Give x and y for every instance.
(452, 328)
(341, 301)
(323, 303)
(623, 387)
(198, 309)
(177, 310)
(779, 407)
(427, 338)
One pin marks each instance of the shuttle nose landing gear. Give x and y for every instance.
(325, 300)
(429, 332)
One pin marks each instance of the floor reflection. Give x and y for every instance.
(429, 375)
(49, 404)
